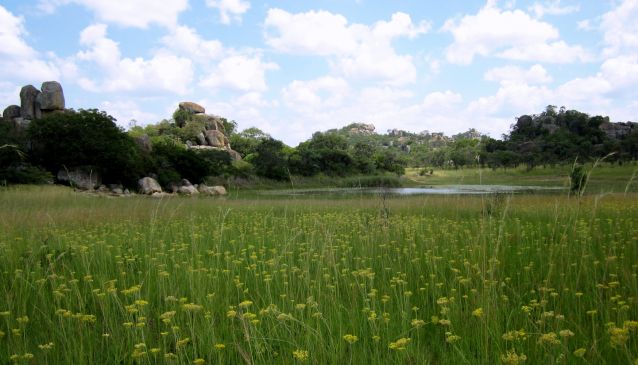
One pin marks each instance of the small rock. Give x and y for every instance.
(149, 186)
(212, 190)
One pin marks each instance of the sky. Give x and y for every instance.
(292, 67)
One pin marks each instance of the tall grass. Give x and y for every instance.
(445, 280)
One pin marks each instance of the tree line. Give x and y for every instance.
(91, 138)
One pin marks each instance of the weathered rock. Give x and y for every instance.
(28, 95)
(159, 194)
(215, 138)
(80, 177)
(187, 190)
(103, 189)
(201, 139)
(116, 189)
(52, 96)
(234, 155)
(144, 142)
(21, 124)
(618, 130)
(212, 190)
(211, 122)
(148, 185)
(11, 112)
(191, 107)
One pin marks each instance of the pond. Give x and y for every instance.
(427, 190)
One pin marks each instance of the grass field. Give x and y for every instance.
(524, 279)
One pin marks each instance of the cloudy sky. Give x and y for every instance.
(293, 67)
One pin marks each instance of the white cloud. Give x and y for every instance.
(324, 92)
(437, 101)
(512, 34)
(164, 72)
(536, 74)
(552, 8)
(512, 98)
(240, 72)
(130, 13)
(18, 61)
(621, 28)
(187, 41)
(357, 50)
(229, 10)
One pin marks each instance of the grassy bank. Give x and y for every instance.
(604, 177)
(447, 280)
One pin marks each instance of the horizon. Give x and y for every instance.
(292, 69)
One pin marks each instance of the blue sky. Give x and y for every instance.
(294, 67)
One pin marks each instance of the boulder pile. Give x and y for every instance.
(212, 134)
(35, 104)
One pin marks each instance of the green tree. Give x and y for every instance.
(270, 160)
(85, 138)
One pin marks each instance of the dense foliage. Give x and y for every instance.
(91, 138)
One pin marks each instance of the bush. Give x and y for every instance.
(85, 138)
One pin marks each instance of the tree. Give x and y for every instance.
(85, 138)
(269, 160)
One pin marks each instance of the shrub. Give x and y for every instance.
(85, 138)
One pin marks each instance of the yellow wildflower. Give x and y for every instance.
(478, 312)
(300, 355)
(351, 338)
(400, 344)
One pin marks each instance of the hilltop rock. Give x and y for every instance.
(11, 112)
(83, 178)
(211, 122)
(28, 96)
(149, 186)
(191, 107)
(51, 97)
(618, 130)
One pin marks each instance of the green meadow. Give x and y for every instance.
(511, 279)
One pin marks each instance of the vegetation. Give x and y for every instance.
(90, 138)
(446, 280)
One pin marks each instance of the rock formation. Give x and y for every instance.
(34, 104)
(83, 178)
(191, 107)
(212, 134)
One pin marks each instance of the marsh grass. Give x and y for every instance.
(432, 279)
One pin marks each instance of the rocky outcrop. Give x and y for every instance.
(148, 186)
(212, 190)
(216, 138)
(51, 96)
(35, 104)
(212, 134)
(28, 96)
(83, 178)
(191, 107)
(11, 112)
(619, 130)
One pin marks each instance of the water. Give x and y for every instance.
(431, 190)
